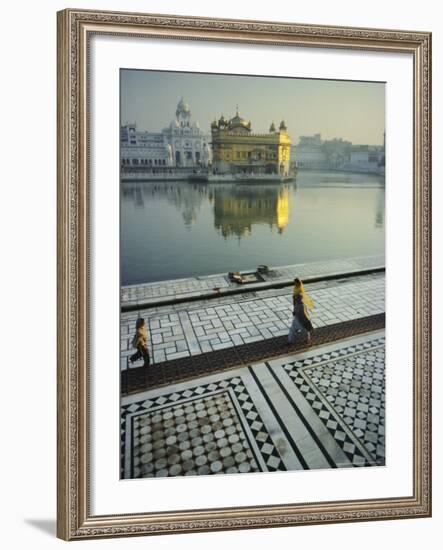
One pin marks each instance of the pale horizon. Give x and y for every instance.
(352, 111)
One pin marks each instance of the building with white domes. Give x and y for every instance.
(190, 145)
(174, 153)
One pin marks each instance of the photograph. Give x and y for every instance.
(252, 274)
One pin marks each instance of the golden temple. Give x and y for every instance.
(238, 150)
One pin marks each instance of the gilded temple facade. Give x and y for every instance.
(236, 149)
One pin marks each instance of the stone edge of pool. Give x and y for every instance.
(231, 288)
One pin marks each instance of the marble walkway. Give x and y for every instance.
(201, 287)
(194, 328)
(322, 408)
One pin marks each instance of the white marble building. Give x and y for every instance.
(181, 145)
(143, 150)
(312, 152)
(308, 153)
(189, 144)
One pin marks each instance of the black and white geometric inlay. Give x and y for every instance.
(346, 388)
(208, 429)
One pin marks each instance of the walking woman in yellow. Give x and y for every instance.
(301, 302)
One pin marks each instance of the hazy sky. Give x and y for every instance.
(354, 111)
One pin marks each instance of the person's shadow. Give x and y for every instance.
(48, 526)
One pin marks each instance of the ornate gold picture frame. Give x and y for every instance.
(75, 31)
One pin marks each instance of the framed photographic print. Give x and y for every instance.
(243, 274)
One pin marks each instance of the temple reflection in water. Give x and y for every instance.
(176, 229)
(187, 198)
(237, 209)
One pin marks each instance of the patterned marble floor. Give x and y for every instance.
(324, 408)
(199, 286)
(202, 327)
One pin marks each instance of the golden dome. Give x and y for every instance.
(239, 122)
